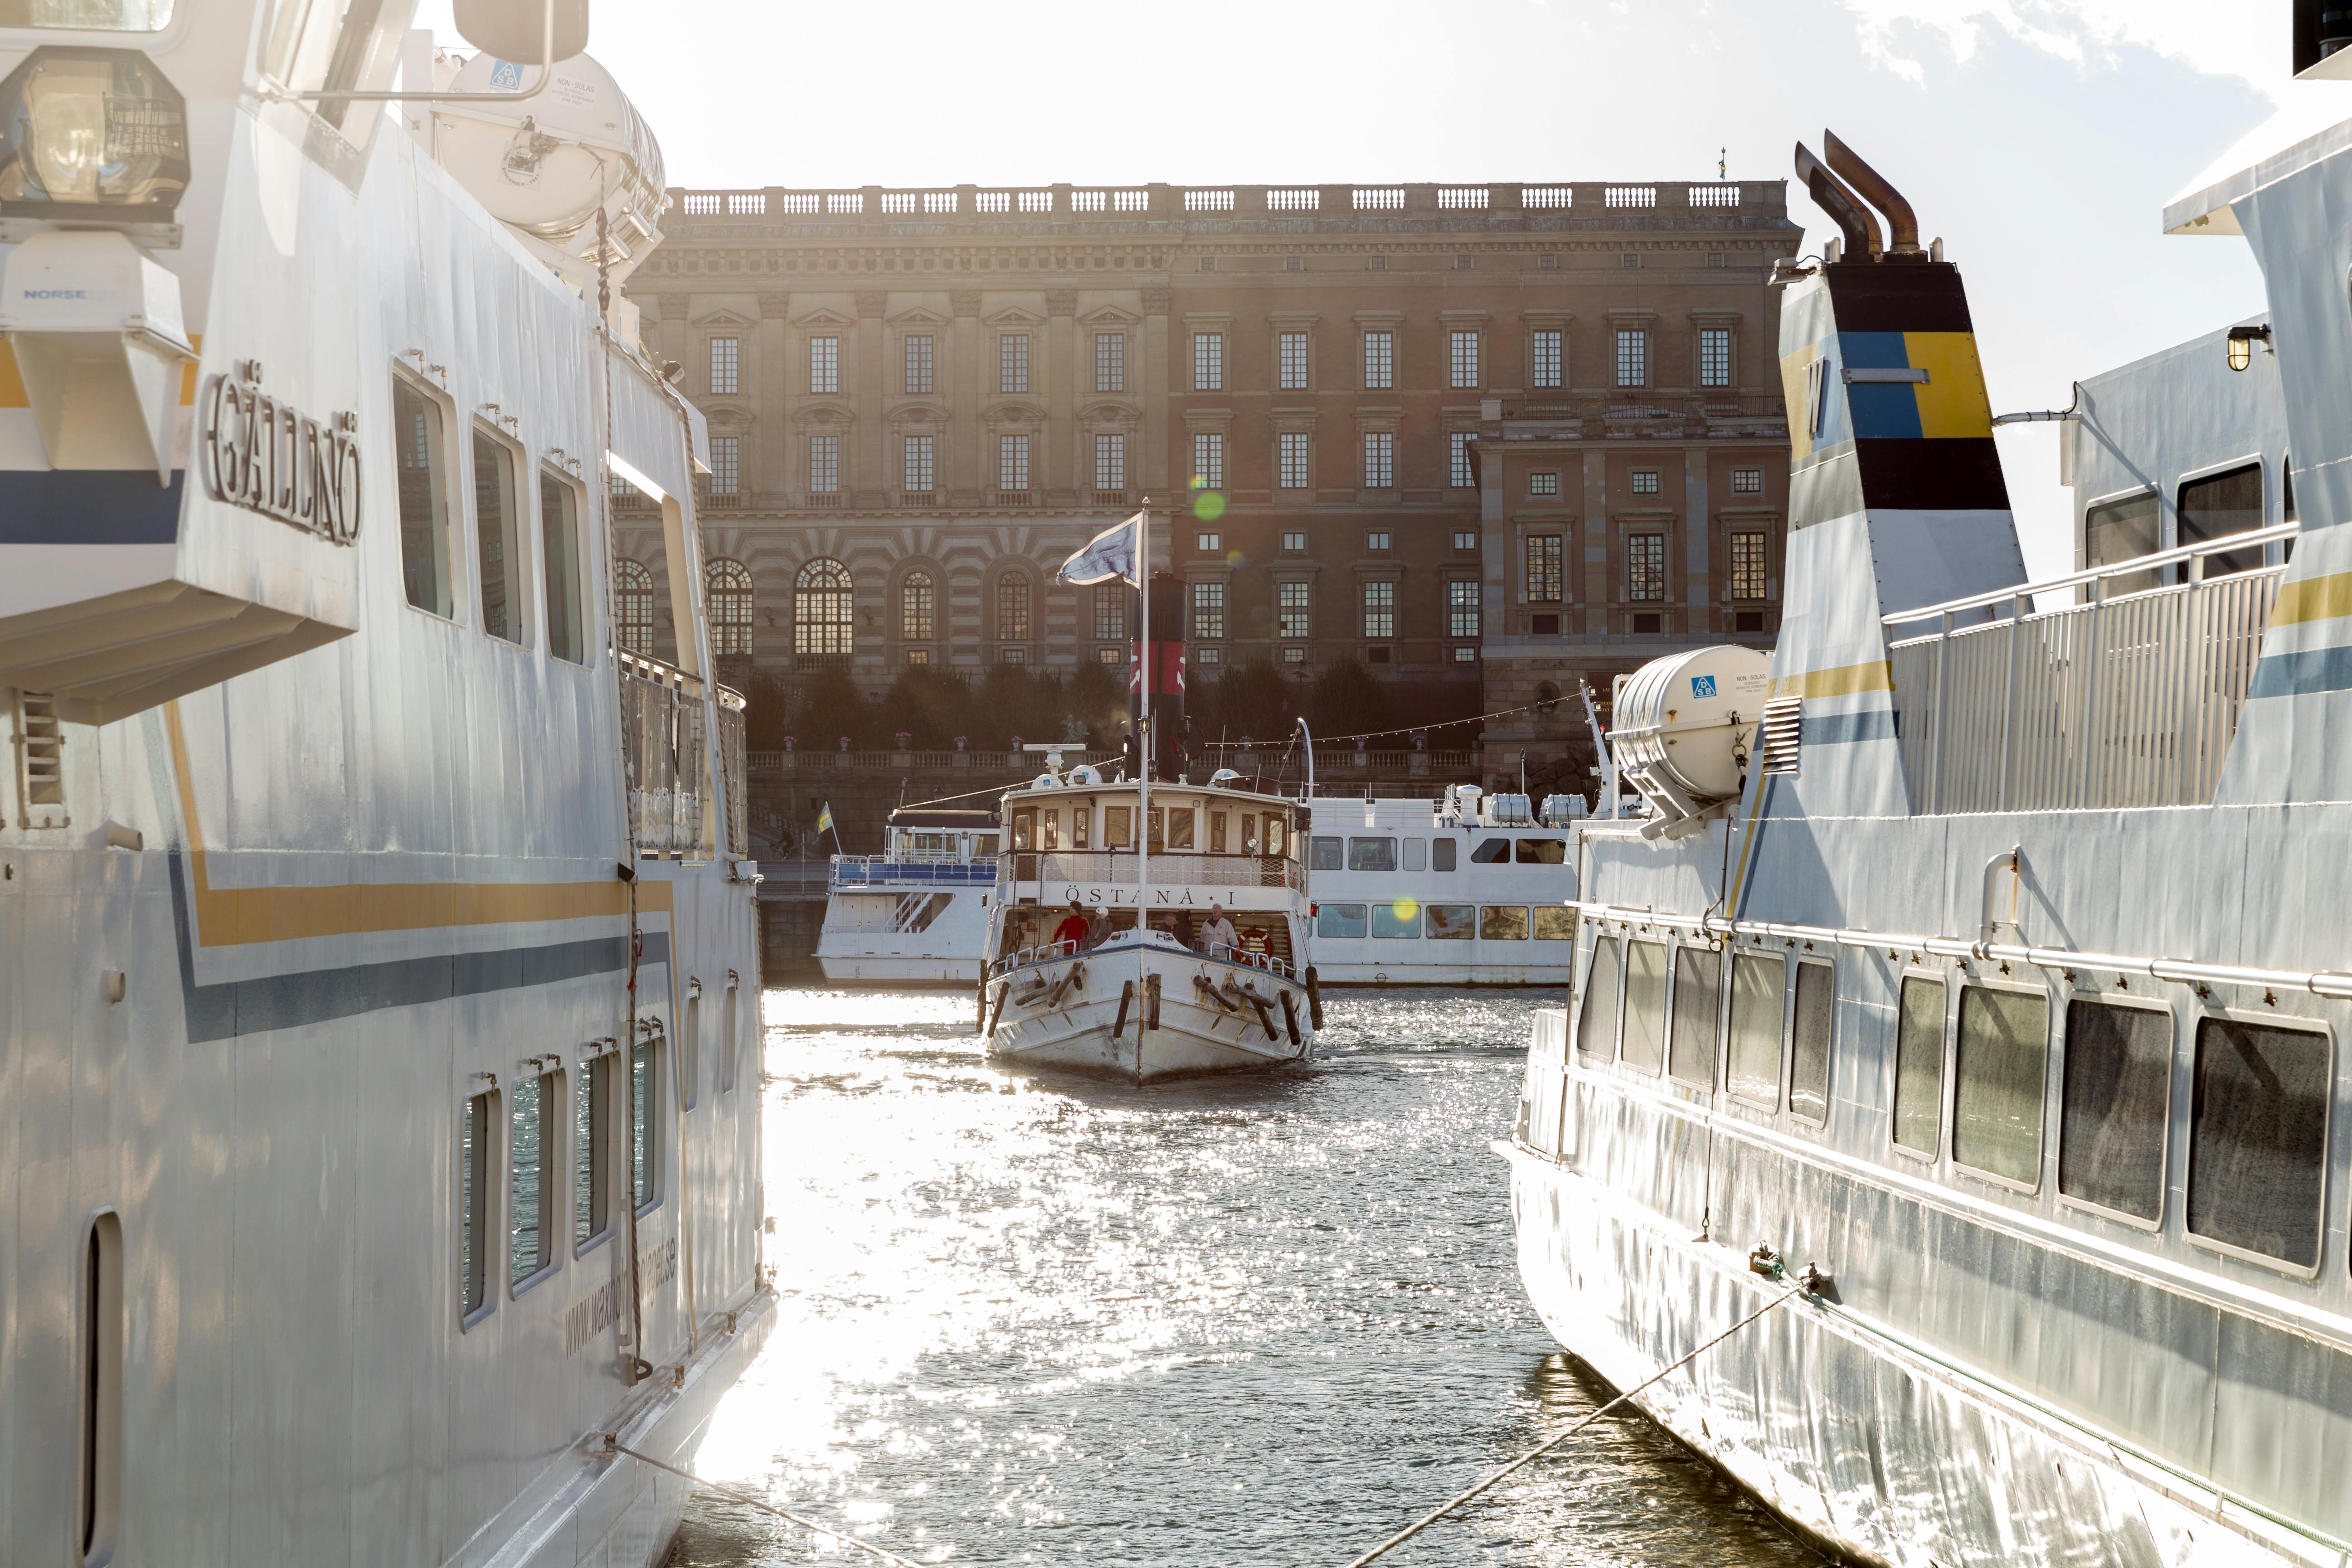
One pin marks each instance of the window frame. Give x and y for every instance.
(727, 347)
(1617, 998)
(1110, 360)
(832, 450)
(1708, 1086)
(1285, 443)
(2269, 1018)
(1665, 945)
(824, 369)
(918, 365)
(601, 1166)
(740, 634)
(1958, 999)
(579, 610)
(554, 1121)
(1289, 377)
(448, 556)
(1547, 358)
(1386, 378)
(489, 1165)
(1458, 361)
(1209, 362)
(1943, 983)
(1732, 954)
(654, 1043)
(518, 584)
(1829, 1052)
(2063, 1047)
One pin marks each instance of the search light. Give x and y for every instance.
(91, 134)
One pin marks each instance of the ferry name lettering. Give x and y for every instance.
(1120, 894)
(270, 457)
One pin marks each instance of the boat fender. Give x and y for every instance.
(1291, 1016)
(1201, 983)
(1265, 1019)
(1076, 973)
(1314, 1000)
(1126, 996)
(1151, 1002)
(982, 998)
(997, 1017)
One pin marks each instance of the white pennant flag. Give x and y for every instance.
(1108, 554)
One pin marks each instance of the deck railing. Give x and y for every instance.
(2124, 701)
(875, 870)
(1170, 868)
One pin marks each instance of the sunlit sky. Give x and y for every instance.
(2040, 140)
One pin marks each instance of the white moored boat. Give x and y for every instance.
(916, 914)
(1156, 999)
(1972, 1009)
(379, 987)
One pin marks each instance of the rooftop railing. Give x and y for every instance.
(1651, 200)
(2119, 701)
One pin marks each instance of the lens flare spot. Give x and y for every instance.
(1208, 505)
(1406, 910)
(1235, 558)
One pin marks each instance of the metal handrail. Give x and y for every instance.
(2222, 546)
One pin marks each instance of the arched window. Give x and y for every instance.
(727, 584)
(821, 606)
(633, 587)
(1012, 607)
(917, 604)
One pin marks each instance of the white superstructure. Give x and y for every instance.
(1468, 890)
(379, 988)
(1988, 1030)
(916, 914)
(1166, 996)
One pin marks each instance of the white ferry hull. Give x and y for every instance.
(1082, 1029)
(895, 969)
(1340, 971)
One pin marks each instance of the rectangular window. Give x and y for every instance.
(1340, 921)
(1219, 824)
(1378, 540)
(2116, 1105)
(917, 607)
(1400, 921)
(1919, 1067)
(1632, 357)
(825, 365)
(1416, 854)
(1545, 579)
(473, 1205)
(1110, 610)
(1748, 481)
(1752, 1068)
(1110, 362)
(2257, 1139)
(825, 465)
(1380, 609)
(1327, 854)
(101, 1376)
(1292, 449)
(1502, 922)
(1646, 481)
(1543, 484)
(592, 1151)
(1690, 1051)
(1466, 539)
(1013, 462)
(917, 469)
(1118, 826)
(689, 1054)
(725, 358)
(1110, 462)
(1208, 611)
(1458, 459)
(1442, 853)
(726, 465)
(1013, 363)
(1461, 609)
(1294, 540)
(424, 499)
(2220, 505)
(1180, 828)
(1292, 357)
(728, 1047)
(1371, 854)
(1209, 460)
(1554, 925)
(1645, 1004)
(1379, 360)
(1746, 566)
(1812, 1024)
(1998, 1073)
(1546, 357)
(494, 529)
(1291, 612)
(1380, 459)
(1208, 544)
(559, 534)
(1453, 922)
(1208, 361)
(1645, 566)
(918, 363)
(1462, 359)
(645, 1124)
(1715, 356)
(534, 1176)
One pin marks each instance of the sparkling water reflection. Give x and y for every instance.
(1245, 1321)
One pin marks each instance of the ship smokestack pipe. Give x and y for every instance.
(1901, 222)
(1846, 209)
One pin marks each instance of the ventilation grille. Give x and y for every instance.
(40, 762)
(1784, 733)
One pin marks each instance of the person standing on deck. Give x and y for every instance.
(1073, 929)
(1219, 929)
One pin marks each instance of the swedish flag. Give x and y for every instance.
(825, 818)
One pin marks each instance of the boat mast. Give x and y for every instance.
(1143, 766)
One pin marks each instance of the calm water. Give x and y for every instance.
(1260, 1320)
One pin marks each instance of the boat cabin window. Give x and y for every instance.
(559, 532)
(592, 1152)
(1024, 830)
(2218, 506)
(1998, 1073)
(1813, 1023)
(1596, 1018)
(1371, 854)
(2116, 1105)
(1540, 851)
(1400, 920)
(1276, 829)
(533, 1141)
(1158, 828)
(323, 46)
(1919, 1067)
(1441, 854)
(1752, 1065)
(2258, 1139)
(1081, 820)
(1555, 924)
(644, 1125)
(473, 1205)
(1503, 922)
(102, 1323)
(1690, 1056)
(1180, 828)
(1455, 923)
(1118, 827)
(1339, 920)
(1217, 832)
(1050, 827)
(1326, 855)
(423, 470)
(1416, 854)
(1493, 852)
(89, 15)
(2121, 530)
(1645, 1004)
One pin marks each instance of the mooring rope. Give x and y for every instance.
(616, 1446)
(1425, 1521)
